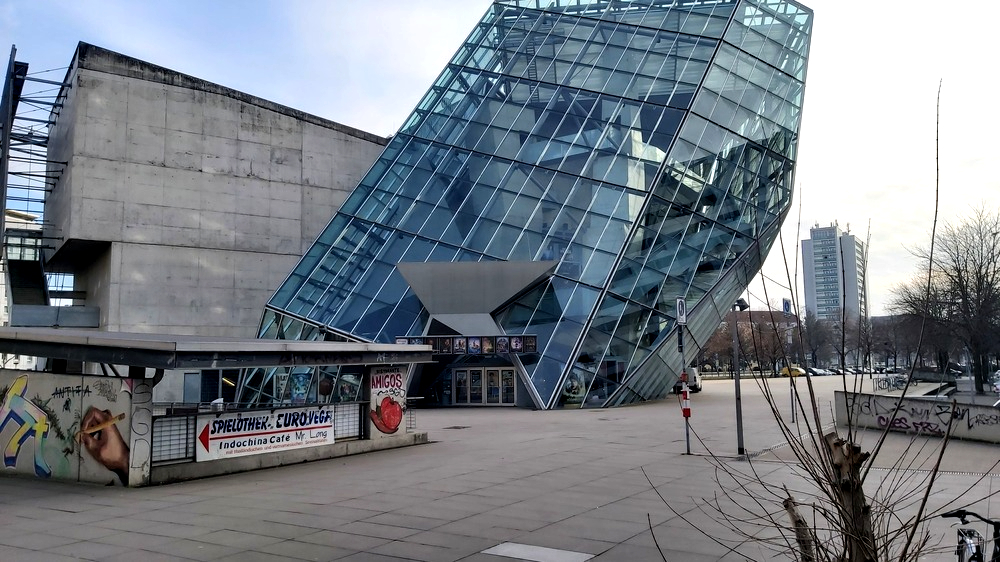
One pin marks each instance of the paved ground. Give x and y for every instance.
(533, 485)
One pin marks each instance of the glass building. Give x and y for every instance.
(577, 167)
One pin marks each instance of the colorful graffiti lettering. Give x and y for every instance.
(30, 420)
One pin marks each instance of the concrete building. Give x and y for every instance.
(834, 273)
(178, 206)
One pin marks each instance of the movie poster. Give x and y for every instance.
(530, 344)
(516, 344)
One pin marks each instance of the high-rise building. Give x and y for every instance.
(577, 167)
(834, 274)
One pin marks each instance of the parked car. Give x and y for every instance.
(792, 371)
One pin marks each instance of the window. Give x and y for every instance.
(211, 384)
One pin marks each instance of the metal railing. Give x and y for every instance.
(411, 412)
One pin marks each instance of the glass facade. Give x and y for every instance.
(647, 147)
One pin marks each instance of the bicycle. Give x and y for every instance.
(971, 543)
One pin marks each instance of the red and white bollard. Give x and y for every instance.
(686, 409)
(685, 396)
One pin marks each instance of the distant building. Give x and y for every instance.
(834, 273)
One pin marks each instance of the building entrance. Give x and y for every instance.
(478, 386)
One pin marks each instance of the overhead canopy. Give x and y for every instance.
(162, 351)
(471, 287)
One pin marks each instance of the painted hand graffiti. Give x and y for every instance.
(101, 438)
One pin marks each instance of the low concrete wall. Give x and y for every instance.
(919, 416)
(190, 470)
(100, 429)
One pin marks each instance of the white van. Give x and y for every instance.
(694, 381)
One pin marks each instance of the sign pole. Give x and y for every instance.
(685, 393)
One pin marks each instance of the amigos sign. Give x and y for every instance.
(226, 436)
(388, 394)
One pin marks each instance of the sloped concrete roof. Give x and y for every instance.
(162, 351)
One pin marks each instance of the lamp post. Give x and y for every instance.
(739, 305)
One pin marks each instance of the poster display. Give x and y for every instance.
(223, 436)
(475, 345)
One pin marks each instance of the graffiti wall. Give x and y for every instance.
(67, 427)
(922, 416)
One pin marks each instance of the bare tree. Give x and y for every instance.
(718, 349)
(916, 302)
(841, 521)
(964, 299)
(817, 337)
(767, 341)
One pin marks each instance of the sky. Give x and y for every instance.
(867, 145)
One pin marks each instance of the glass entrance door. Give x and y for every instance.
(461, 381)
(484, 386)
(507, 396)
(492, 386)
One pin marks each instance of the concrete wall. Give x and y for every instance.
(43, 418)
(205, 197)
(923, 416)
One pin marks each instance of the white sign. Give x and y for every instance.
(223, 436)
(682, 311)
(388, 398)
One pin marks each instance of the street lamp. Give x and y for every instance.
(739, 306)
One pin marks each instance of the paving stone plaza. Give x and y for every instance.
(563, 485)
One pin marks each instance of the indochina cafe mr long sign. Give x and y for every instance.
(240, 434)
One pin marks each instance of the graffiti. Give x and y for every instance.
(141, 432)
(101, 438)
(66, 391)
(902, 423)
(30, 420)
(869, 405)
(924, 416)
(106, 390)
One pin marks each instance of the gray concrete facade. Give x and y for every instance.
(184, 204)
